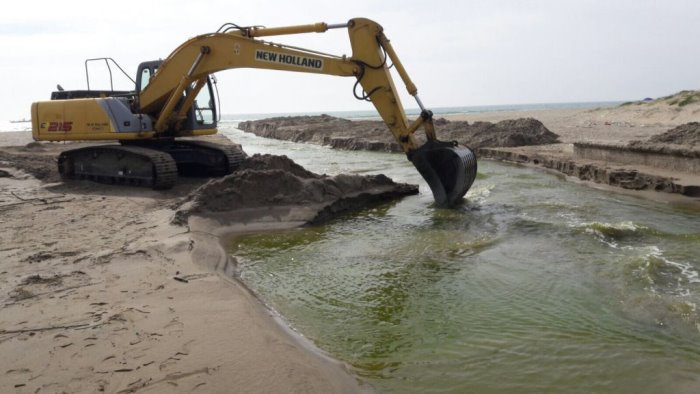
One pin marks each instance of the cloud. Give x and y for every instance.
(457, 53)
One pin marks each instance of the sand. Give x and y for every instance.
(617, 125)
(121, 289)
(101, 292)
(372, 135)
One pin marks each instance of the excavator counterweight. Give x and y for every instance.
(173, 98)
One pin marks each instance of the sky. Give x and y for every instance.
(458, 53)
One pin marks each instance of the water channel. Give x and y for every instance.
(535, 284)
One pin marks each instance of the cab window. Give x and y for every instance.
(145, 78)
(204, 107)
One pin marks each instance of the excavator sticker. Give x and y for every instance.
(291, 60)
(58, 126)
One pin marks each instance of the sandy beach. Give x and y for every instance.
(102, 292)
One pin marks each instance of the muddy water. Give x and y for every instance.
(535, 284)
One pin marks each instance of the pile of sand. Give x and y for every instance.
(681, 141)
(274, 181)
(374, 135)
(687, 134)
(506, 133)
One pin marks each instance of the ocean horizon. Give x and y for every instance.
(438, 111)
(24, 124)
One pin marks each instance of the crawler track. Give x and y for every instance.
(153, 164)
(117, 164)
(201, 158)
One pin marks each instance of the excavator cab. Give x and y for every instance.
(203, 113)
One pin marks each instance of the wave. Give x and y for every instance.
(662, 275)
(617, 230)
(613, 233)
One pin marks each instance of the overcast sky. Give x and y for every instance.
(458, 53)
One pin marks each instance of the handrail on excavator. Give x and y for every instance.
(106, 60)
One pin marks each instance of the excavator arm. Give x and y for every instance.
(448, 168)
(194, 60)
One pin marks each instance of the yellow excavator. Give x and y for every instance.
(174, 98)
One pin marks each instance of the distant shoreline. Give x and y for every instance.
(14, 125)
(437, 111)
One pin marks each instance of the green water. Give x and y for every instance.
(534, 285)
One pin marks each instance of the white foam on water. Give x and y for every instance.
(688, 275)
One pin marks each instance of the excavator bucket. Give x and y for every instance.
(449, 169)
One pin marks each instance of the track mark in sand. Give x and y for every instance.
(182, 375)
(137, 310)
(192, 277)
(134, 383)
(46, 255)
(172, 360)
(31, 330)
(175, 326)
(18, 371)
(171, 379)
(184, 351)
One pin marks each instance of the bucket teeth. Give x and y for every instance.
(448, 168)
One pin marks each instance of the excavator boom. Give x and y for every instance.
(165, 101)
